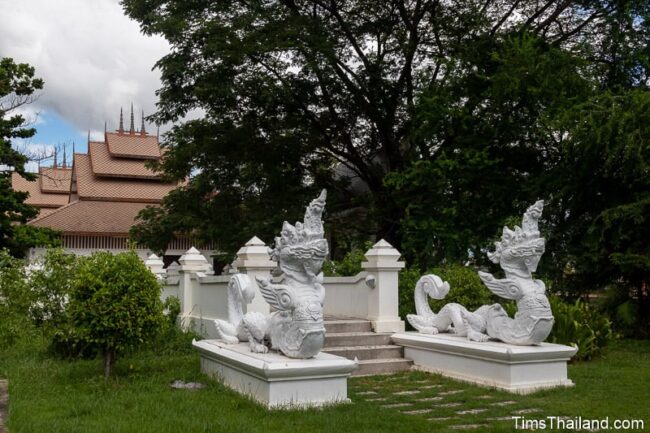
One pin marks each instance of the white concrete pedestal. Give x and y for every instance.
(275, 380)
(518, 369)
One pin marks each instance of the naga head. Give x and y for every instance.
(301, 249)
(520, 250)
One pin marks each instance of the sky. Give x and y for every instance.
(93, 60)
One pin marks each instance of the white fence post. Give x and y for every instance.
(383, 301)
(156, 266)
(190, 263)
(254, 260)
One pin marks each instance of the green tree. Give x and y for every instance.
(17, 87)
(491, 149)
(114, 305)
(299, 95)
(602, 192)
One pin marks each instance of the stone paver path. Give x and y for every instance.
(460, 408)
(407, 392)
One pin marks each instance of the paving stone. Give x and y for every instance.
(366, 393)
(470, 411)
(457, 391)
(499, 418)
(429, 399)
(431, 386)
(443, 418)
(467, 426)
(525, 411)
(416, 412)
(503, 403)
(485, 397)
(407, 392)
(377, 399)
(394, 405)
(448, 405)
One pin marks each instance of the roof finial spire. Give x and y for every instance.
(158, 133)
(89, 134)
(73, 152)
(64, 165)
(121, 130)
(55, 158)
(132, 129)
(142, 130)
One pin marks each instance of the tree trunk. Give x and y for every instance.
(109, 362)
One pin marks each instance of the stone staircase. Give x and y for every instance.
(375, 352)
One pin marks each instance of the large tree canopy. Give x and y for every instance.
(431, 122)
(17, 86)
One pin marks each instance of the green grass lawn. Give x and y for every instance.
(51, 395)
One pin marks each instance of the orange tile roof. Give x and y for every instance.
(92, 217)
(106, 165)
(135, 146)
(37, 197)
(55, 180)
(46, 211)
(91, 187)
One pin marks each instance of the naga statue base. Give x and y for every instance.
(274, 380)
(514, 368)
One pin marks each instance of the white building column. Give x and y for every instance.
(254, 260)
(383, 301)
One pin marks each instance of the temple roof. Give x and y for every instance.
(38, 197)
(92, 217)
(137, 146)
(55, 180)
(106, 165)
(104, 190)
(93, 187)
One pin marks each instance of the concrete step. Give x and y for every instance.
(367, 352)
(348, 325)
(369, 367)
(340, 339)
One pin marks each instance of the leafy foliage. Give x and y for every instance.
(17, 85)
(15, 300)
(330, 94)
(601, 206)
(349, 265)
(579, 324)
(50, 282)
(114, 306)
(430, 122)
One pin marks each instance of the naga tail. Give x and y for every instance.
(241, 291)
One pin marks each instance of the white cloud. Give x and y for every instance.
(92, 57)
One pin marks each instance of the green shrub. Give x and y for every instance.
(580, 325)
(467, 288)
(172, 309)
(408, 277)
(349, 266)
(15, 300)
(626, 310)
(114, 306)
(50, 281)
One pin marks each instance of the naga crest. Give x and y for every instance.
(520, 249)
(301, 249)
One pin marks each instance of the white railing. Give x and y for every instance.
(372, 294)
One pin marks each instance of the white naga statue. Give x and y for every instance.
(518, 254)
(296, 326)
